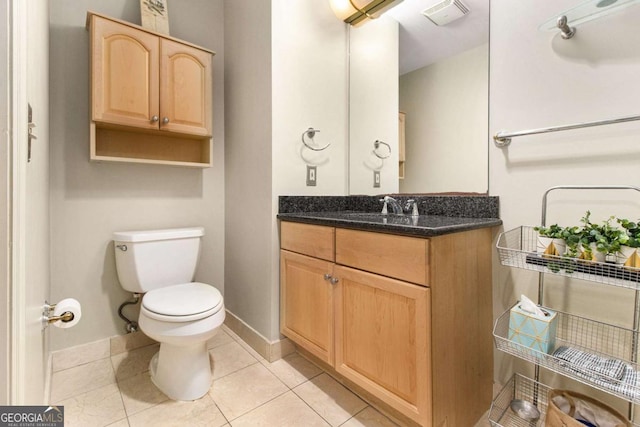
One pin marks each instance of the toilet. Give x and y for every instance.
(175, 311)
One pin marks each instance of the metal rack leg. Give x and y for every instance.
(634, 344)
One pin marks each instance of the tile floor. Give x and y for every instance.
(247, 391)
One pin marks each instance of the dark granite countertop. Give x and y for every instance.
(422, 225)
(439, 214)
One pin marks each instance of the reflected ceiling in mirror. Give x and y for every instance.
(441, 85)
(422, 42)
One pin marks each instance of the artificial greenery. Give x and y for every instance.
(553, 231)
(606, 237)
(633, 231)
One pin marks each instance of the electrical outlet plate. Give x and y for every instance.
(376, 179)
(311, 176)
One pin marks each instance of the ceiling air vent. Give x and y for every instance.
(446, 11)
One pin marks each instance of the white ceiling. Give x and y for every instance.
(422, 42)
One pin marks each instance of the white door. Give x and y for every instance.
(28, 199)
(5, 263)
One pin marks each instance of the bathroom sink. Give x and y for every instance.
(374, 215)
(380, 218)
(422, 225)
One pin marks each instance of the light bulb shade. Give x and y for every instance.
(356, 12)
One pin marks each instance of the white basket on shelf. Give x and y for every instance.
(584, 335)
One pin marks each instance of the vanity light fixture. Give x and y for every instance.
(357, 12)
(584, 12)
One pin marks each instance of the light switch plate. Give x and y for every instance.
(376, 179)
(311, 176)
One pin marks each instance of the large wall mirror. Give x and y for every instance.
(434, 78)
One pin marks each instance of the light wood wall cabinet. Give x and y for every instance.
(407, 319)
(150, 96)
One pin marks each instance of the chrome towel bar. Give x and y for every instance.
(503, 139)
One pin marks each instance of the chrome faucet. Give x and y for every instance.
(413, 205)
(395, 206)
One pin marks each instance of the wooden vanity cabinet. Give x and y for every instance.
(307, 303)
(404, 318)
(382, 339)
(306, 294)
(150, 96)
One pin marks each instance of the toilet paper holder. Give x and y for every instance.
(48, 317)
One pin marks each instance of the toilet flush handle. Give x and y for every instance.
(123, 248)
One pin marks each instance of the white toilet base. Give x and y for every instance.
(182, 372)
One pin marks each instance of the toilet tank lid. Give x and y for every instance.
(152, 235)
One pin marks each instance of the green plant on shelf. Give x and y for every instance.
(572, 237)
(606, 237)
(610, 238)
(633, 232)
(553, 231)
(591, 241)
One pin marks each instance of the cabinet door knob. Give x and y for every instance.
(165, 120)
(330, 278)
(154, 119)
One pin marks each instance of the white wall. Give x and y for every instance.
(287, 68)
(248, 166)
(373, 105)
(310, 89)
(446, 110)
(91, 200)
(538, 79)
(309, 78)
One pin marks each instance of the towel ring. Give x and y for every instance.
(310, 133)
(376, 145)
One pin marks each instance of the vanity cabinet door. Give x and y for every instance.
(124, 75)
(185, 89)
(383, 339)
(306, 303)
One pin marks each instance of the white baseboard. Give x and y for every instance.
(270, 350)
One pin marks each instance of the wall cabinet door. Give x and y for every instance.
(185, 89)
(383, 339)
(124, 75)
(306, 314)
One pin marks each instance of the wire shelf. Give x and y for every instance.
(523, 388)
(517, 248)
(596, 338)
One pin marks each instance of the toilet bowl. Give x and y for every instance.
(180, 314)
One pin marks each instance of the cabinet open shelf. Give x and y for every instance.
(163, 148)
(517, 248)
(596, 338)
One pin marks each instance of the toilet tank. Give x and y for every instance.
(152, 259)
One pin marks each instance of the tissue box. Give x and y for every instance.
(532, 331)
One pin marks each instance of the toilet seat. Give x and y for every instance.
(182, 303)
